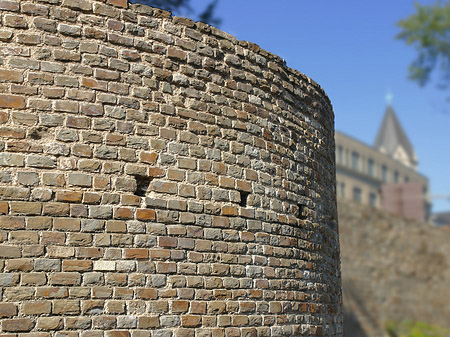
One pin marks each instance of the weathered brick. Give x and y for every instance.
(36, 308)
(17, 325)
(107, 75)
(15, 21)
(11, 159)
(145, 214)
(41, 161)
(79, 179)
(77, 265)
(11, 6)
(66, 307)
(11, 76)
(45, 24)
(25, 208)
(12, 101)
(135, 253)
(49, 323)
(8, 252)
(55, 209)
(8, 309)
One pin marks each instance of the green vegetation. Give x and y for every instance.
(415, 329)
(428, 30)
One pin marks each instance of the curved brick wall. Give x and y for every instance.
(160, 178)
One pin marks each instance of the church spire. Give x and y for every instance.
(393, 141)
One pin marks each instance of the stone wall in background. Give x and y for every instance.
(159, 178)
(393, 269)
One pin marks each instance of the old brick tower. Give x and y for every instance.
(159, 178)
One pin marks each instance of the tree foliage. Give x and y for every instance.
(428, 30)
(183, 7)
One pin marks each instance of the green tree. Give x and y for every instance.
(183, 7)
(428, 30)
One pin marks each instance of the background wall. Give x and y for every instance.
(393, 270)
(160, 178)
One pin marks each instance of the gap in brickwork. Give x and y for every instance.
(142, 184)
(244, 197)
(301, 212)
(37, 133)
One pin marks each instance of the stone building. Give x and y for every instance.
(160, 178)
(383, 175)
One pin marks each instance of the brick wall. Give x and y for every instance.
(159, 178)
(394, 269)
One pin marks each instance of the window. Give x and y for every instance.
(357, 194)
(395, 177)
(355, 160)
(406, 179)
(384, 173)
(340, 154)
(373, 199)
(370, 167)
(343, 189)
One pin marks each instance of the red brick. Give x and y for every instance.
(148, 322)
(124, 213)
(117, 333)
(242, 185)
(77, 265)
(198, 308)
(136, 253)
(156, 172)
(11, 76)
(147, 293)
(12, 101)
(145, 214)
(12, 133)
(131, 200)
(180, 306)
(229, 211)
(165, 241)
(190, 321)
(93, 84)
(149, 157)
(69, 196)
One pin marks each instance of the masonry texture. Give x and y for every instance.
(159, 177)
(394, 269)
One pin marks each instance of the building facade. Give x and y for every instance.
(384, 175)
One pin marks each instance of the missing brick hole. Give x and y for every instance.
(142, 184)
(301, 212)
(37, 133)
(244, 197)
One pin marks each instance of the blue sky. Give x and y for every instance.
(349, 48)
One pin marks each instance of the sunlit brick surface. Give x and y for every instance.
(159, 178)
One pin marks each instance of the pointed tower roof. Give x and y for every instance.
(393, 141)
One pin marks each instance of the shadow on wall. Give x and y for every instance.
(358, 320)
(352, 327)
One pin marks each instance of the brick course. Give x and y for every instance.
(152, 170)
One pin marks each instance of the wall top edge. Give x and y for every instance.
(204, 28)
